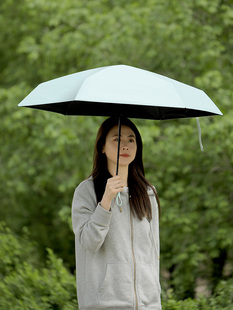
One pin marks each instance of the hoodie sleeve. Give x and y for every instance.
(90, 221)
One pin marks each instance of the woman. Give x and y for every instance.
(116, 226)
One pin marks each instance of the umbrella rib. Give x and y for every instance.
(68, 107)
(160, 117)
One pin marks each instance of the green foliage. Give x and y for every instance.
(26, 287)
(42, 160)
(44, 155)
(222, 299)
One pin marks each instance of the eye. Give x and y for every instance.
(131, 140)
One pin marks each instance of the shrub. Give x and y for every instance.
(24, 285)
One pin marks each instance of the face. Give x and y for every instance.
(128, 147)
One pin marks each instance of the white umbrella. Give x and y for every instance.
(121, 90)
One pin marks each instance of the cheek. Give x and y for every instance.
(135, 149)
(134, 152)
(110, 149)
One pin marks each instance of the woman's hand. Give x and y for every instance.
(113, 187)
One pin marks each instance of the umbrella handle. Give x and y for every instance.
(119, 142)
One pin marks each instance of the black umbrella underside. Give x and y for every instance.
(118, 109)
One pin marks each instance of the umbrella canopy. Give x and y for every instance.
(120, 90)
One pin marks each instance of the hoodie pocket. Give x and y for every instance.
(148, 286)
(116, 288)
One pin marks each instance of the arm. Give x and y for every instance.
(90, 221)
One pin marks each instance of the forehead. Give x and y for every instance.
(125, 131)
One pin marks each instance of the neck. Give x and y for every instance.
(122, 172)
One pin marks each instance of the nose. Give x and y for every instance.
(124, 145)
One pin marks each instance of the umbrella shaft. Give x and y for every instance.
(119, 142)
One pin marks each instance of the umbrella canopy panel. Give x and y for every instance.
(120, 90)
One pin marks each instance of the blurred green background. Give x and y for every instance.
(44, 156)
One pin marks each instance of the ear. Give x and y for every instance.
(103, 150)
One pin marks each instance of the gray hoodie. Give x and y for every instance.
(117, 255)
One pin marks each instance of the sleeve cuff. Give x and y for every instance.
(102, 216)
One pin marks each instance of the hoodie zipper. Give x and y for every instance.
(134, 263)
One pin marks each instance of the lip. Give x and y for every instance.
(124, 155)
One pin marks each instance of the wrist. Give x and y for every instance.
(106, 204)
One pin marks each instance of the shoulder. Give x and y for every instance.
(85, 193)
(152, 193)
(151, 190)
(87, 183)
(85, 187)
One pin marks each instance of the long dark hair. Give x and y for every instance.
(138, 185)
